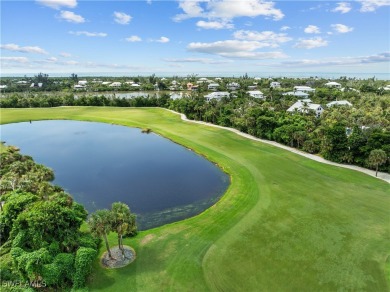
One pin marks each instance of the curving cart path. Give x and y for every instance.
(381, 175)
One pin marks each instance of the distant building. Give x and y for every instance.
(333, 84)
(213, 86)
(300, 94)
(115, 84)
(275, 84)
(305, 106)
(304, 89)
(83, 82)
(338, 102)
(256, 94)
(216, 95)
(233, 86)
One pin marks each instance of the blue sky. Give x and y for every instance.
(185, 37)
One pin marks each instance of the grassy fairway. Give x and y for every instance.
(285, 224)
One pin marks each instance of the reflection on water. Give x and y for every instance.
(100, 163)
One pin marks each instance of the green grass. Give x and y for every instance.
(286, 223)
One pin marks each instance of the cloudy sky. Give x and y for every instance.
(185, 37)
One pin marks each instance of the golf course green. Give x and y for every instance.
(286, 223)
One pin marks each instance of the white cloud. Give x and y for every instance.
(57, 4)
(88, 34)
(70, 16)
(214, 24)
(343, 7)
(312, 29)
(190, 8)
(198, 60)
(52, 59)
(250, 8)
(311, 43)
(234, 49)
(65, 55)
(341, 28)
(22, 60)
(122, 18)
(27, 49)
(133, 38)
(284, 28)
(341, 61)
(372, 5)
(227, 9)
(266, 38)
(163, 39)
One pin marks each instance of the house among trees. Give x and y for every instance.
(256, 94)
(213, 86)
(307, 89)
(275, 84)
(339, 102)
(333, 85)
(115, 84)
(306, 106)
(300, 94)
(216, 95)
(233, 86)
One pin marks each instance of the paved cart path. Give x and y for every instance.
(381, 175)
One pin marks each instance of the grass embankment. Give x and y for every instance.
(285, 224)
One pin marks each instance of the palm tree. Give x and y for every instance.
(123, 222)
(377, 157)
(100, 225)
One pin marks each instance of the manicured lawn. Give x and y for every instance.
(285, 224)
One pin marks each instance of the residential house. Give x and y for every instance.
(305, 106)
(339, 102)
(252, 87)
(256, 94)
(216, 95)
(213, 86)
(115, 84)
(83, 82)
(189, 86)
(300, 94)
(333, 85)
(306, 89)
(233, 86)
(275, 84)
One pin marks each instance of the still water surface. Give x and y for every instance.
(99, 163)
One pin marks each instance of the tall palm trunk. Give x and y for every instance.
(107, 246)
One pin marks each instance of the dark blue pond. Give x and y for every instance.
(99, 163)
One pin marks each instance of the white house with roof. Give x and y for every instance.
(216, 95)
(300, 94)
(275, 84)
(387, 87)
(306, 106)
(333, 84)
(252, 87)
(233, 86)
(106, 83)
(213, 86)
(115, 84)
(3, 86)
(256, 94)
(83, 82)
(301, 88)
(338, 102)
(79, 86)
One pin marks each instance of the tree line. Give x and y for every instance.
(342, 134)
(41, 243)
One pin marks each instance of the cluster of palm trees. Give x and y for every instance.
(119, 219)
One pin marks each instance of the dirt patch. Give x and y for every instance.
(146, 239)
(117, 260)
